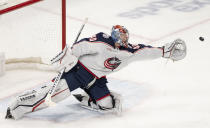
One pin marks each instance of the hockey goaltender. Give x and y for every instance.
(86, 65)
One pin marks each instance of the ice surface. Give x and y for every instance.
(70, 110)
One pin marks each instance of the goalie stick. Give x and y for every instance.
(48, 100)
(60, 55)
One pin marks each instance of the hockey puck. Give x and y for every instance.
(201, 38)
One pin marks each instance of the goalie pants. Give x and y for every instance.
(78, 77)
(81, 77)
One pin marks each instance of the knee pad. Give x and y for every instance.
(61, 91)
(62, 84)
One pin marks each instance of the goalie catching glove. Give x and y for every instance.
(175, 51)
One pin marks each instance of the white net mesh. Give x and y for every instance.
(31, 31)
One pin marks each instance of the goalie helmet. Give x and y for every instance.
(120, 35)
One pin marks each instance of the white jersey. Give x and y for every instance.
(99, 55)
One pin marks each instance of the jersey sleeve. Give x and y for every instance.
(146, 52)
(103, 37)
(83, 48)
(86, 45)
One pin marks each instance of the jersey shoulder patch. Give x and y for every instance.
(106, 36)
(99, 38)
(102, 37)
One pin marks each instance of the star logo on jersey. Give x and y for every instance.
(106, 36)
(112, 63)
(93, 38)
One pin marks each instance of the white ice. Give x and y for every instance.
(179, 92)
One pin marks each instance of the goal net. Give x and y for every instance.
(32, 32)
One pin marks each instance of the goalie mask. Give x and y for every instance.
(120, 35)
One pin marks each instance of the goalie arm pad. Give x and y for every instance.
(175, 50)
